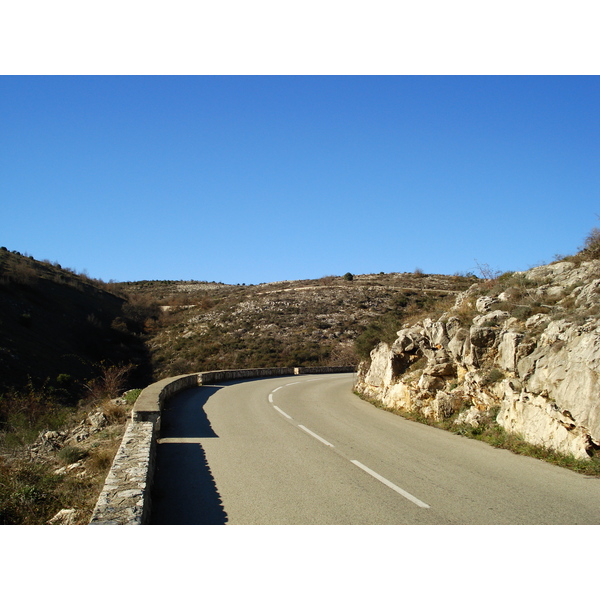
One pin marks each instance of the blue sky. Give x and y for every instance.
(254, 179)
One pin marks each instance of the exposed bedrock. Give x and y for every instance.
(523, 350)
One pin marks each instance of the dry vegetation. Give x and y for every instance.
(63, 466)
(328, 321)
(68, 344)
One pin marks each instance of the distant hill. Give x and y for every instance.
(333, 320)
(57, 327)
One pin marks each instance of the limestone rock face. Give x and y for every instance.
(528, 355)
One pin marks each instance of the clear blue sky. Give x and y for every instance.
(256, 179)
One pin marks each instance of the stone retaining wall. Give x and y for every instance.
(125, 498)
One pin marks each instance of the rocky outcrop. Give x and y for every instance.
(523, 349)
(51, 441)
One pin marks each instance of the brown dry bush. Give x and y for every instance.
(591, 246)
(111, 382)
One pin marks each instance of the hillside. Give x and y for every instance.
(510, 355)
(57, 328)
(289, 323)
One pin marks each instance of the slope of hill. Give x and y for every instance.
(57, 328)
(289, 323)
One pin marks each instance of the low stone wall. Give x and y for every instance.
(125, 498)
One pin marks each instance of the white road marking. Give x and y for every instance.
(316, 436)
(284, 414)
(391, 485)
(366, 469)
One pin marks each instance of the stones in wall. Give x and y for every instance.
(125, 498)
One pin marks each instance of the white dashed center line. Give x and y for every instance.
(318, 437)
(284, 414)
(383, 480)
(391, 485)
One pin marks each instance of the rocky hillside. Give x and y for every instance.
(521, 351)
(310, 322)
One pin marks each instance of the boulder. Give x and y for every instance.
(492, 318)
(66, 516)
(485, 303)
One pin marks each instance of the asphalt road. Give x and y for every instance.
(306, 450)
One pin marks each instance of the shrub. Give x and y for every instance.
(26, 493)
(71, 454)
(131, 396)
(488, 274)
(101, 460)
(26, 412)
(348, 277)
(591, 246)
(521, 312)
(110, 383)
(64, 380)
(114, 413)
(492, 376)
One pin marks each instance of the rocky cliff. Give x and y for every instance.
(522, 349)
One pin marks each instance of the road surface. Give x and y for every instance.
(306, 450)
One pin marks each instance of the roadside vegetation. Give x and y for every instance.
(491, 433)
(71, 345)
(53, 456)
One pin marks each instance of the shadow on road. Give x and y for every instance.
(184, 491)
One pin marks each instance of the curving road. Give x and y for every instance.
(306, 450)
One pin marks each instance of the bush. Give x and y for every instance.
(101, 460)
(591, 246)
(131, 396)
(492, 376)
(71, 454)
(24, 413)
(110, 383)
(383, 329)
(26, 493)
(64, 380)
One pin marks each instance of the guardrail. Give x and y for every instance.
(125, 497)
